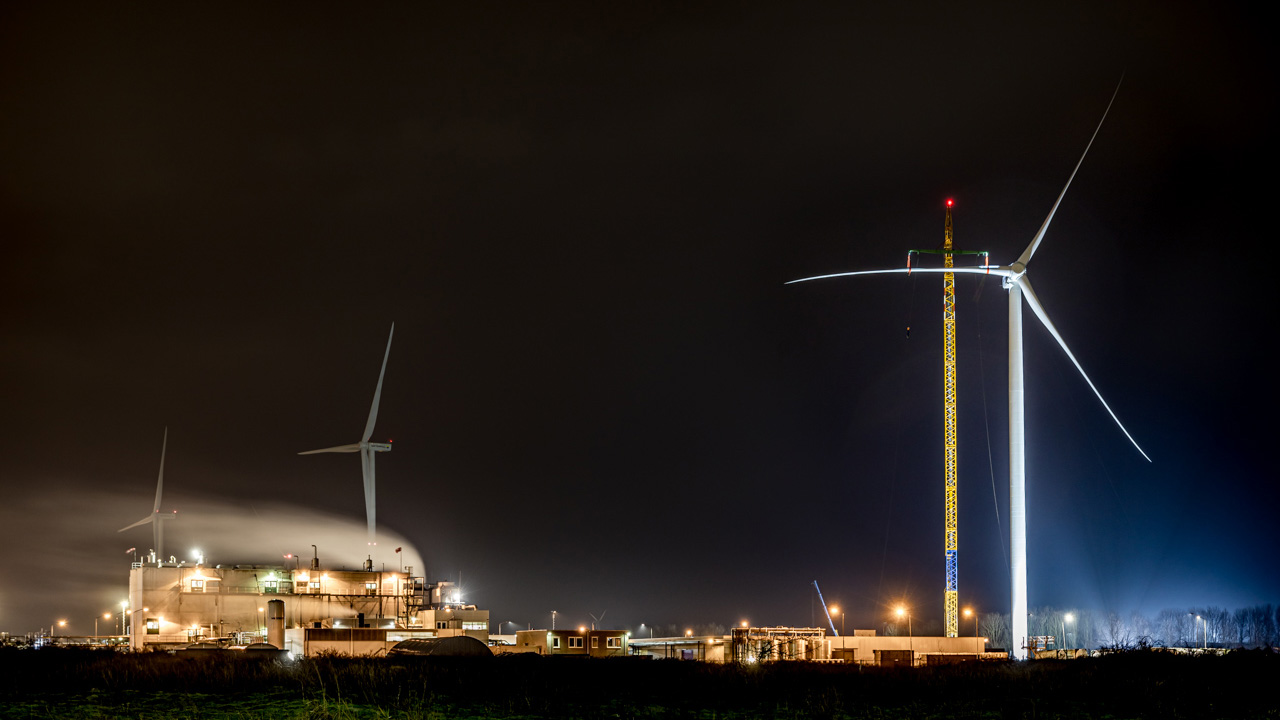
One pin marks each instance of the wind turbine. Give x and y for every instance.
(366, 448)
(157, 518)
(1015, 280)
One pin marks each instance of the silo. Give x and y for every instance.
(275, 623)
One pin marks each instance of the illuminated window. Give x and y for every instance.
(575, 642)
(197, 586)
(470, 625)
(269, 586)
(315, 586)
(153, 626)
(371, 588)
(615, 642)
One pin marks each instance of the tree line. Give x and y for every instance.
(1248, 627)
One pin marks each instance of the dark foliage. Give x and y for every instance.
(1126, 684)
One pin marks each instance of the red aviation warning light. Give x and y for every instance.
(950, 202)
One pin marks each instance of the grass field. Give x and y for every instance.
(58, 683)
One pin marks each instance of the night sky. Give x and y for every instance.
(580, 219)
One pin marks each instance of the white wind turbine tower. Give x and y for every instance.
(368, 449)
(1014, 278)
(157, 518)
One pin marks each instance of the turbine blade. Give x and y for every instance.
(160, 482)
(1038, 309)
(370, 499)
(1035, 242)
(998, 271)
(143, 521)
(353, 447)
(377, 394)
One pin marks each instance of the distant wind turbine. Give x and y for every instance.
(157, 518)
(366, 448)
(1014, 279)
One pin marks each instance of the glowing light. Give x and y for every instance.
(900, 611)
(688, 633)
(744, 623)
(950, 202)
(582, 628)
(968, 612)
(835, 609)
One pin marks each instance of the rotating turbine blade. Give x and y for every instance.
(370, 501)
(353, 447)
(1038, 309)
(143, 521)
(998, 271)
(160, 482)
(1035, 242)
(377, 394)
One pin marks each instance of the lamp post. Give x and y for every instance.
(1205, 624)
(105, 616)
(262, 626)
(910, 636)
(61, 623)
(1066, 619)
(835, 610)
(968, 612)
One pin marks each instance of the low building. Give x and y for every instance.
(581, 642)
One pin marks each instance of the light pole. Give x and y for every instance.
(105, 616)
(910, 637)
(262, 623)
(1066, 619)
(968, 612)
(835, 610)
(61, 623)
(1205, 624)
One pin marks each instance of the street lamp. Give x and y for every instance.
(61, 623)
(902, 610)
(105, 616)
(262, 623)
(1066, 619)
(1205, 623)
(968, 612)
(688, 633)
(835, 610)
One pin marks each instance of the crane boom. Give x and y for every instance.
(825, 610)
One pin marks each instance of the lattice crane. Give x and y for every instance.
(950, 593)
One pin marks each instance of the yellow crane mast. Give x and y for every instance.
(951, 594)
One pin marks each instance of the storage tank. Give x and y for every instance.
(275, 623)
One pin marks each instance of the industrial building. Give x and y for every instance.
(304, 610)
(771, 644)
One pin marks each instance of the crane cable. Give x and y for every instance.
(897, 443)
(995, 499)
